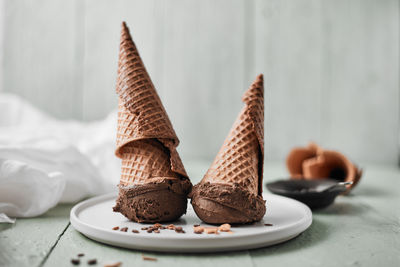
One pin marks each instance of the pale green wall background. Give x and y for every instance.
(331, 67)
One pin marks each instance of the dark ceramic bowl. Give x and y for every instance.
(314, 193)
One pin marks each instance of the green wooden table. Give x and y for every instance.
(362, 229)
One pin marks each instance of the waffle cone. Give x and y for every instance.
(297, 156)
(314, 162)
(240, 159)
(145, 161)
(146, 140)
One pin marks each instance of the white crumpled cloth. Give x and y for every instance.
(44, 161)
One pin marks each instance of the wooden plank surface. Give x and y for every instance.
(41, 56)
(361, 91)
(2, 28)
(289, 50)
(199, 80)
(203, 71)
(29, 241)
(102, 34)
(363, 228)
(73, 243)
(331, 75)
(331, 67)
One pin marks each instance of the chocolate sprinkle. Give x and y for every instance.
(75, 261)
(92, 262)
(146, 258)
(81, 255)
(198, 229)
(179, 229)
(268, 224)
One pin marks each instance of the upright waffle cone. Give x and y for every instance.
(236, 174)
(146, 143)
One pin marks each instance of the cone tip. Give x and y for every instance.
(124, 27)
(256, 88)
(125, 33)
(258, 82)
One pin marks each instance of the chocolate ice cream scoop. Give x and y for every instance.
(226, 203)
(161, 201)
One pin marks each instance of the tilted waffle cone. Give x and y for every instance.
(240, 159)
(153, 183)
(141, 114)
(231, 190)
(313, 162)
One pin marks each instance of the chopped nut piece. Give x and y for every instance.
(145, 228)
(171, 227)
(198, 229)
(211, 230)
(124, 229)
(135, 231)
(81, 255)
(150, 230)
(115, 228)
(146, 258)
(179, 229)
(156, 231)
(117, 264)
(196, 225)
(157, 225)
(225, 227)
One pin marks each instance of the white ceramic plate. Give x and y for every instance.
(95, 219)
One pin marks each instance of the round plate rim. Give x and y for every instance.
(86, 229)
